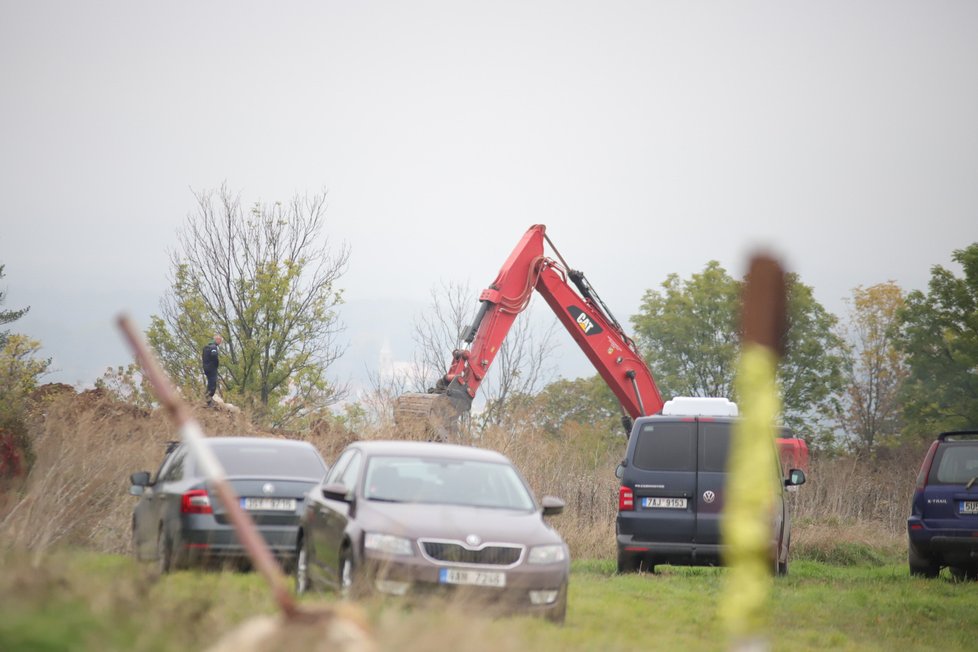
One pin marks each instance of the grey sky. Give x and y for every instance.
(649, 136)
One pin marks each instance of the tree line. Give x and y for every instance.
(895, 369)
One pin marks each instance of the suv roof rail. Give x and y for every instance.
(954, 435)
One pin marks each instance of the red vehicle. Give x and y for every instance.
(583, 314)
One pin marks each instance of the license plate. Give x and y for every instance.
(668, 503)
(969, 506)
(268, 504)
(471, 577)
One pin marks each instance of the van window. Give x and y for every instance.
(714, 446)
(666, 446)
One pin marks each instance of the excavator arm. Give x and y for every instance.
(576, 305)
(588, 320)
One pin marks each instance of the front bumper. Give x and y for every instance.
(531, 589)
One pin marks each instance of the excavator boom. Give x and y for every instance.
(577, 307)
(581, 311)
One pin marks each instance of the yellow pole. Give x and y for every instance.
(746, 528)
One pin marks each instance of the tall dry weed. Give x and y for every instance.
(85, 447)
(849, 489)
(87, 444)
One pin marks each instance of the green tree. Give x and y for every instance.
(581, 400)
(20, 371)
(7, 316)
(689, 335)
(265, 279)
(810, 374)
(20, 368)
(871, 413)
(939, 335)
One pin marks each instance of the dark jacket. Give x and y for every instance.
(209, 358)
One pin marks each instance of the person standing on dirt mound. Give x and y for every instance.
(209, 359)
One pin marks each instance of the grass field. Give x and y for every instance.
(88, 601)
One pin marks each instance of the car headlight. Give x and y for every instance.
(388, 543)
(547, 554)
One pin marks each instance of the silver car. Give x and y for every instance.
(179, 522)
(418, 518)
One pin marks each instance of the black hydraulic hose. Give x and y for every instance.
(630, 374)
(474, 328)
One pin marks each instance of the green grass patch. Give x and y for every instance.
(844, 553)
(84, 601)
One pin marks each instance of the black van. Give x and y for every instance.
(673, 480)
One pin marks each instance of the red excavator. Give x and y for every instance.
(583, 314)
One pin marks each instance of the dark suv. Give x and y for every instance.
(673, 482)
(943, 524)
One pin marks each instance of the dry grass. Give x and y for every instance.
(848, 489)
(853, 510)
(87, 444)
(85, 447)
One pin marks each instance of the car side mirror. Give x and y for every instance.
(620, 470)
(337, 491)
(795, 478)
(138, 481)
(552, 505)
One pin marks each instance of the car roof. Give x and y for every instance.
(265, 441)
(958, 435)
(686, 417)
(428, 449)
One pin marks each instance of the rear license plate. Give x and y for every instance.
(969, 506)
(668, 503)
(268, 504)
(471, 577)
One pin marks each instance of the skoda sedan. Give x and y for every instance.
(421, 518)
(178, 521)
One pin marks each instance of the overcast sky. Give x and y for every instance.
(650, 137)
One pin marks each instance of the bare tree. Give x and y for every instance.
(524, 366)
(266, 280)
(521, 368)
(438, 332)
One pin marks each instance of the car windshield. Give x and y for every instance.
(269, 460)
(446, 481)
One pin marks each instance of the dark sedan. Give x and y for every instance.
(179, 522)
(420, 518)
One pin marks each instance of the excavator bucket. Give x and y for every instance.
(431, 417)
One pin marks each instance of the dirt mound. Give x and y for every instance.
(50, 391)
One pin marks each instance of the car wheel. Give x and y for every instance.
(628, 563)
(921, 566)
(782, 569)
(164, 552)
(964, 573)
(347, 575)
(135, 545)
(301, 570)
(559, 612)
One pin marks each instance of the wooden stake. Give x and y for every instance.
(192, 434)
